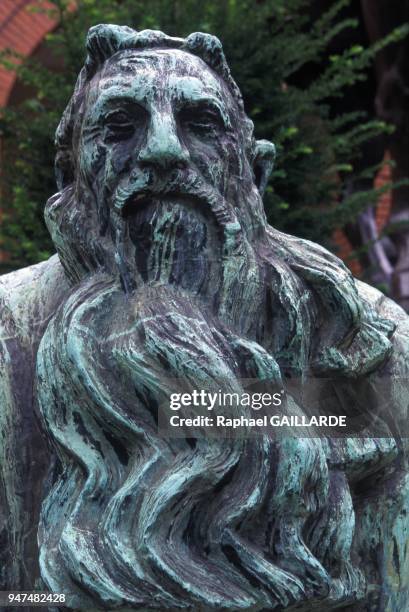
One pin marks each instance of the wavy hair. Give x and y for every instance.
(137, 520)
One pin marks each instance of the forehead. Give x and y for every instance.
(151, 73)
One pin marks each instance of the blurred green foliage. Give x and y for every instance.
(267, 44)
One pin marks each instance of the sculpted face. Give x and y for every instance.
(160, 144)
(160, 110)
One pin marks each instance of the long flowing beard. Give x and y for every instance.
(139, 520)
(176, 244)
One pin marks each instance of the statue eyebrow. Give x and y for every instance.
(107, 100)
(192, 90)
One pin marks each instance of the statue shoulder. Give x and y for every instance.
(390, 310)
(28, 297)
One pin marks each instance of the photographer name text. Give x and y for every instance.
(274, 420)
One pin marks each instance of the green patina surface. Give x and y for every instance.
(167, 271)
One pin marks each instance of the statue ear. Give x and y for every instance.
(263, 163)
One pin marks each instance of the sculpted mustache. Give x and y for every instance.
(184, 183)
(144, 185)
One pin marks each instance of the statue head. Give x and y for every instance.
(155, 123)
(175, 273)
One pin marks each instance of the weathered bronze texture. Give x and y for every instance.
(167, 269)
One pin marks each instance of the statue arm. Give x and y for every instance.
(27, 299)
(11, 461)
(386, 516)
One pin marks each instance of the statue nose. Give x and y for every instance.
(163, 146)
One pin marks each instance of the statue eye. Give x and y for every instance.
(202, 121)
(118, 117)
(120, 125)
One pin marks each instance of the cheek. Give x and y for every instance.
(103, 164)
(119, 157)
(100, 155)
(92, 159)
(216, 160)
(122, 152)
